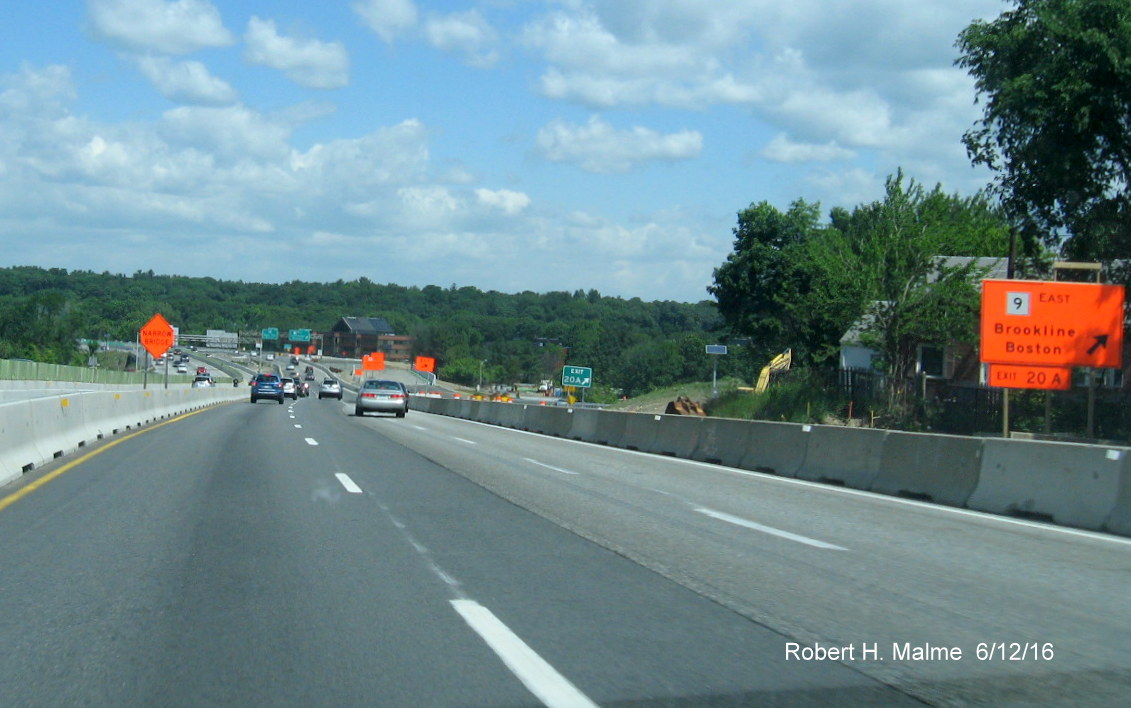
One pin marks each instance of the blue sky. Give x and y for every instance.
(503, 144)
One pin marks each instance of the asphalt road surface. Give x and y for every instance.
(266, 555)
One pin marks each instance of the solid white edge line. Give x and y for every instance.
(739, 521)
(543, 680)
(347, 483)
(829, 489)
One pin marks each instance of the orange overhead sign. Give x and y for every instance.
(1049, 378)
(157, 335)
(1046, 323)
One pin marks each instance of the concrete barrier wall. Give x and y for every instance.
(36, 431)
(938, 468)
(1119, 520)
(548, 420)
(845, 456)
(723, 441)
(1069, 484)
(640, 431)
(1076, 485)
(777, 448)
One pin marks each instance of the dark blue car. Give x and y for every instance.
(267, 386)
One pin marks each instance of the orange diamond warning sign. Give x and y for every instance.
(157, 335)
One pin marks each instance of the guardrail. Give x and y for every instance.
(1070, 484)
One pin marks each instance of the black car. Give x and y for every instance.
(267, 386)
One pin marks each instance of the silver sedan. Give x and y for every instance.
(382, 396)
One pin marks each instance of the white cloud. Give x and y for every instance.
(598, 147)
(505, 200)
(782, 149)
(187, 82)
(465, 33)
(310, 63)
(234, 133)
(387, 18)
(177, 27)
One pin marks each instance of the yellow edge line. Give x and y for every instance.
(31, 487)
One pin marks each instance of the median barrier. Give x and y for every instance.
(19, 450)
(848, 457)
(723, 441)
(936, 468)
(610, 428)
(676, 435)
(1119, 520)
(583, 424)
(36, 431)
(1066, 483)
(483, 412)
(58, 427)
(510, 415)
(777, 448)
(549, 420)
(464, 407)
(640, 431)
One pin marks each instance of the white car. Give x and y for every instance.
(203, 382)
(330, 389)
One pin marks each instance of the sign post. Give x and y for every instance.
(718, 350)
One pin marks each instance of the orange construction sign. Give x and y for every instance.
(157, 335)
(373, 362)
(1044, 323)
(425, 363)
(1049, 378)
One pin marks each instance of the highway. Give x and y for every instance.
(296, 555)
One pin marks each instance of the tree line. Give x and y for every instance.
(632, 345)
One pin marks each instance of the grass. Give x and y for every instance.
(656, 401)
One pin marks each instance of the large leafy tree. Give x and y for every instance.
(765, 274)
(793, 282)
(1054, 80)
(885, 262)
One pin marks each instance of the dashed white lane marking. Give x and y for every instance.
(311, 441)
(549, 467)
(348, 483)
(469, 442)
(297, 425)
(739, 521)
(536, 674)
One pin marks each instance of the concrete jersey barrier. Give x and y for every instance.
(845, 456)
(1066, 483)
(942, 469)
(1071, 484)
(36, 431)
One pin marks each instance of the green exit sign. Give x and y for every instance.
(579, 376)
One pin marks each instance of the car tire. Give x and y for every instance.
(402, 414)
(254, 399)
(358, 412)
(280, 400)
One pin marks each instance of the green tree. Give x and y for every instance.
(883, 265)
(765, 274)
(1054, 79)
